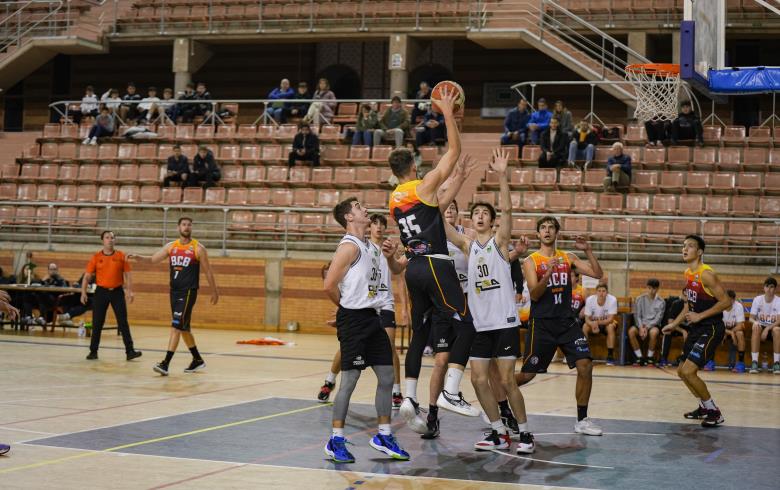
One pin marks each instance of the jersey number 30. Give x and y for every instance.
(408, 227)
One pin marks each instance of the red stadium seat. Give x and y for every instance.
(304, 198)
(723, 183)
(281, 197)
(697, 182)
(558, 201)
(672, 182)
(756, 159)
(610, 203)
(129, 193)
(259, 196)
(575, 226)
(150, 194)
(657, 230)
(489, 197)
(240, 221)
(705, 158)
(46, 192)
(749, 183)
(359, 154)
(760, 136)
(734, 136)
(593, 180)
(237, 196)
(299, 176)
(629, 230)
(108, 193)
(533, 201)
(521, 178)
(664, 204)
(602, 229)
(585, 202)
(717, 205)
(772, 183)
(192, 195)
(171, 195)
(679, 158)
(638, 204)
(730, 159)
(654, 158)
(545, 179)
(712, 135)
(691, 204)
(327, 198)
(375, 199)
(743, 205)
(683, 228)
(645, 181)
(570, 179)
(769, 207)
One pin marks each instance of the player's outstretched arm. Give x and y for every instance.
(345, 254)
(499, 165)
(203, 256)
(711, 281)
(155, 258)
(458, 239)
(448, 193)
(436, 177)
(590, 268)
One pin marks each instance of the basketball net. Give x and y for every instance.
(657, 88)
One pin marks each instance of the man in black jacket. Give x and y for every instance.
(206, 170)
(299, 109)
(187, 111)
(687, 126)
(178, 169)
(306, 147)
(555, 144)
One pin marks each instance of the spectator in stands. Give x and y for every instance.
(111, 100)
(178, 169)
(765, 316)
(206, 172)
(563, 115)
(148, 107)
(601, 317)
(321, 112)
(648, 315)
(420, 108)
(104, 126)
(393, 124)
(168, 104)
(734, 320)
(201, 93)
(539, 121)
(687, 126)
(583, 144)
(432, 130)
(187, 111)
(89, 105)
(306, 147)
(618, 170)
(367, 122)
(276, 110)
(657, 132)
(129, 110)
(515, 122)
(299, 109)
(71, 306)
(43, 301)
(674, 305)
(555, 145)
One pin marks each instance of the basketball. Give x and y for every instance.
(460, 99)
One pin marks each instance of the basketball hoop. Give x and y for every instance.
(657, 87)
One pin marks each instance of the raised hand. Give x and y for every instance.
(389, 247)
(446, 103)
(465, 166)
(521, 245)
(500, 160)
(580, 243)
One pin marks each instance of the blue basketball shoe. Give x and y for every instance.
(389, 446)
(336, 449)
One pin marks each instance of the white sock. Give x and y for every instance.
(754, 356)
(331, 377)
(384, 429)
(523, 427)
(650, 353)
(452, 381)
(338, 432)
(411, 388)
(397, 388)
(638, 353)
(709, 404)
(498, 426)
(776, 356)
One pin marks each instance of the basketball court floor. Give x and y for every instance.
(250, 421)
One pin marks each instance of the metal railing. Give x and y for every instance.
(22, 20)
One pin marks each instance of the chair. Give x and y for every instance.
(740, 233)
(46, 192)
(30, 172)
(712, 135)
(304, 198)
(610, 203)
(359, 154)
(285, 132)
(749, 183)
(229, 153)
(312, 222)
(247, 132)
(380, 153)
(637, 204)
(232, 175)
(521, 178)
(148, 173)
(645, 181)
(512, 153)
(127, 152)
(7, 215)
(265, 132)
(678, 158)
(593, 180)
(523, 226)
(531, 155)
(236, 196)
(635, 135)
(329, 132)
(108, 174)
(107, 152)
(654, 158)
(723, 183)
(24, 192)
(129, 193)
(225, 132)
(575, 226)
(697, 183)
(705, 158)
(756, 159)
(429, 154)
(334, 154)
(214, 196)
(25, 215)
(366, 177)
(108, 193)
(321, 177)
(327, 198)
(734, 136)
(299, 176)
(657, 231)
(664, 204)
(259, 196)
(344, 177)
(264, 221)
(184, 131)
(585, 202)
(558, 201)
(570, 179)
(729, 159)
(67, 193)
(717, 205)
(743, 205)
(534, 201)
(759, 136)
(192, 195)
(281, 197)
(603, 229)
(249, 154)
(692, 204)
(672, 182)
(240, 221)
(375, 199)
(545, 179)
(65, 216)
(683, 228)
(714, 231)
(272, 154)
(769, 207)
(766, 233)
(346, 112)
(629, 230)
(171, 195)
(150, 194)
(147, 153)
(772, 184)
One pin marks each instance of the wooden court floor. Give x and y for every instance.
(49, 389)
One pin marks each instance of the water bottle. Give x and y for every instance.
(764, 361)
(82, 330)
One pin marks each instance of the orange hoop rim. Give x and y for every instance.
(663, 69)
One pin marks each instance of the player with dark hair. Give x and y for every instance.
(705, 300)
(185, 257)
(765, 316)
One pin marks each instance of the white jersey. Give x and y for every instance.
(460, 260)
(387, 301)
(734, 316)
(765, 313)
(491, 292)
(360, 286)
(601, 312)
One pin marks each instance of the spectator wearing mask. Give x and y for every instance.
(322, 110)
(687, 126)
(563, 115)
(306, 147)
(111, 100)
(393, 124)
(89, 105)
(187, 111)
(129, 108)
(206, 171)
(555, 145)
(420, 108)
(367, 122)
(104, 126)
(583, 145)
(178, 169)
(539, 121)
(648, 317)
(148, 106)
(515, 122)
(618, 170)
(431, 130)
(276, 110)
(202, 93)
(299, 109)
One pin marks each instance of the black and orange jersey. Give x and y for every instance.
(185, 265)
(699, 297)
(556, 301)
(577, 299)
(421, 223)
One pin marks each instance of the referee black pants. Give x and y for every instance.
(116, 298)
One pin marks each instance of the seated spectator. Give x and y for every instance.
(178, 169)
(276, 110)
(43, 301)
(674, 305)
(648, 315)
(168, 104)
(321, 112)
(539, 121)
(420, 108)
(601, 317)
(206, 172)
(104, 126)
(111, 100)
(687, 126)
(515, 122)
(432, 130)
(765, 316)
(734, 320)
(393, 124)
(583, 145)
(367, 122)
(204, 109)
(306, 147)
(657, 131)
(299, 109)
(187, 111)
(618, 170)
(129, 109)
(89, 105)
(555, 145)
(70, 304)
(148, 106)
(563, 115)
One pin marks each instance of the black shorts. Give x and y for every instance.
(702, 342)
(445, 329)
(768, 335)
(387, 318)
(433, 282)
(182, 303)
(362, 339)
(546, 335)
(602, 328)
(503, 343)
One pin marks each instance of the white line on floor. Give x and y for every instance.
(2, 427)
(552, 462)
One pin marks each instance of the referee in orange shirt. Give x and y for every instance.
(114, 285)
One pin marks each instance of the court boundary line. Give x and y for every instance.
(547, 461)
